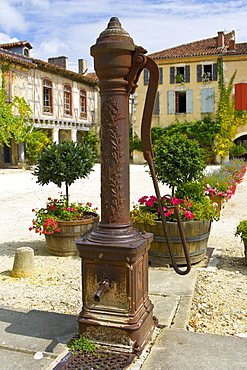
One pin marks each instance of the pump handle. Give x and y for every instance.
(139, 63)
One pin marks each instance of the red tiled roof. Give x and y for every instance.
(36, 63)
(16, 58)
(241, 48)
(19, 43)
(202, 47)
(93, 76)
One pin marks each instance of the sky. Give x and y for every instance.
(70, 27)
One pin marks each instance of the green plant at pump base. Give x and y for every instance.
(82, 344)
(242, 230)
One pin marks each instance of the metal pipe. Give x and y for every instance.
(102, 288)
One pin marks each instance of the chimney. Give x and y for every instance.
(59, 61)
(232, 45)
(220, 39)
(82, 66)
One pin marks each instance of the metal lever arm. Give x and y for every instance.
(148, 155)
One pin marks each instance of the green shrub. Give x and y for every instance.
(242, 230)
(178, 160)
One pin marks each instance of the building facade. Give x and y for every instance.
(188, 86)
(63, 103)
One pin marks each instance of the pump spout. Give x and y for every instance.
(102, 288)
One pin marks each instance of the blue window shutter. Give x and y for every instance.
(157, 104)
(187, 73)
(170, 102)
(189, 101)
(146, 76)
(207, 100)
(215, 72)
(172, 75)
(161, 75)
(199, 72)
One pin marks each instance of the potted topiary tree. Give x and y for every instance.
(178, 161)
(62, 223)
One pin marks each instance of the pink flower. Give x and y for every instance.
(143, 199)
(149, 203)
(189, 214)
(175, 201)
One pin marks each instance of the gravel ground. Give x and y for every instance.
(56, 284)
(220, 301)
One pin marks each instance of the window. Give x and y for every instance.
(157, 104)
(180, 101)
(161, 75)
(47, 96)
(83, 104)
(67, 100)
(180, 74)
(241, 96)
(207, 100)
(207, 72)
(146, 76)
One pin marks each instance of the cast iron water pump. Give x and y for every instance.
(116, 307)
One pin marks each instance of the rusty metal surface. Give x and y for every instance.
(111, 360)
(116, 307)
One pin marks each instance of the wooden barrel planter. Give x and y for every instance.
(196, 233)
(63, 243)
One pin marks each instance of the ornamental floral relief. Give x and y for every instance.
(112, 161)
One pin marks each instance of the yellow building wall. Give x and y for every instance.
(163, 119)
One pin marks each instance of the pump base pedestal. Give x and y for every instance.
(123, 315)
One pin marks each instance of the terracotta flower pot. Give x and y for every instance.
(63, 243)
(196, 233)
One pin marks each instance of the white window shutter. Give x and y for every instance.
(189, 101)
(170, 102)
(207, 100)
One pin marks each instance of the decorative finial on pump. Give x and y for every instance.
(114, 28)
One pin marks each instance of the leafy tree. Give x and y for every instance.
(65, 162)
(13, 126)
(205, 131)
(36, 141)
(178, 160)
(92, 140)
(237, 150)
(135, 143)
(174, 128)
